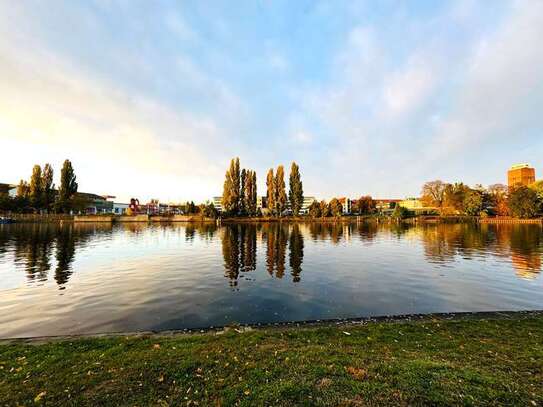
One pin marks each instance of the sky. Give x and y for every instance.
(153, 99)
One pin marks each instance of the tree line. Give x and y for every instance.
(39, 193)
(239, 197)
(497, 200)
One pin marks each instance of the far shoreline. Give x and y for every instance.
(107, 218)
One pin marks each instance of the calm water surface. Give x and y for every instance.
(100, 278)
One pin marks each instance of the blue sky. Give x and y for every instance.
(152, 99)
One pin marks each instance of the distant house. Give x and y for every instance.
(345, 205)
(412, 203)
(8, 189)
(386, 205)
(120, 208)
(96, 204)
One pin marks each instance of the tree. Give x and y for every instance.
(335, 207)
(243, 191)
(231, 189)
(400, 212)
(365, 205)
(23, 190)
(454, 195)
(270, 190)
(36, 188)
(538, 188)
(433, 193)
(473, 202)
(254, 194)
(498, 199)
(523, 202)
(314, 210)
(280, 192)
(68, 186)
(208, 210)
(296, 192)
(325, 209)
(48, 187)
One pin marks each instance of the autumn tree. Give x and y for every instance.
(335, 207)
(433, 193)
(270, 191)
(473, 202)
(365, 205)
(68, 186)
(523, 202)
(325, 209)
(23, 189)
(231, 190)
(296, 192)
(242, 190)
(249, 192)
(36, 188)
(280, 191)
(314, 210)
(48, 187)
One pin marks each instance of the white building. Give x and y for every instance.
(308, 200)
(120, 208)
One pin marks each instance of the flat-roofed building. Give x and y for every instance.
(520, 174)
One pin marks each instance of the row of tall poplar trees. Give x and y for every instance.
(40, 193)
(240, 193)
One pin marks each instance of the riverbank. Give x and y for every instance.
(477, 359)
(106, 218)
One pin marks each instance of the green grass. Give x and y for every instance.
(436, 362)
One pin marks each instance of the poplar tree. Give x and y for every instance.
(270, 193)
(68, 186)
(231, 189)
(48, 187)
(254, 196)
(243, 189)
(36, 188)
(280, 192)
(296, 192)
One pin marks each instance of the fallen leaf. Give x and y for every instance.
(357, 373)
(156, 346)
(347, 333)
(39, 396)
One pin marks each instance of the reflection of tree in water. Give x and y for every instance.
(33, 247)
(522, 243)
(276, 236)
(332, 231)
(65, 253)
(239, 250)
(526, 250)
(296, 253)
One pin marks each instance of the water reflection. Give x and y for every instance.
(42, 249)
(443, 243)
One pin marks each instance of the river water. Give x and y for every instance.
(90, 278)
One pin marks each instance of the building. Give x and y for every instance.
(217, 203)
(96, 204)
(120, 208)
(345, 205)
(412, 203)
(308, 200)
(8, 189)
(520, 174)
(384, 205)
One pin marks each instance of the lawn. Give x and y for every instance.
(490, 361)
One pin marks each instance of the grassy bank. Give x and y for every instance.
(479, 361)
